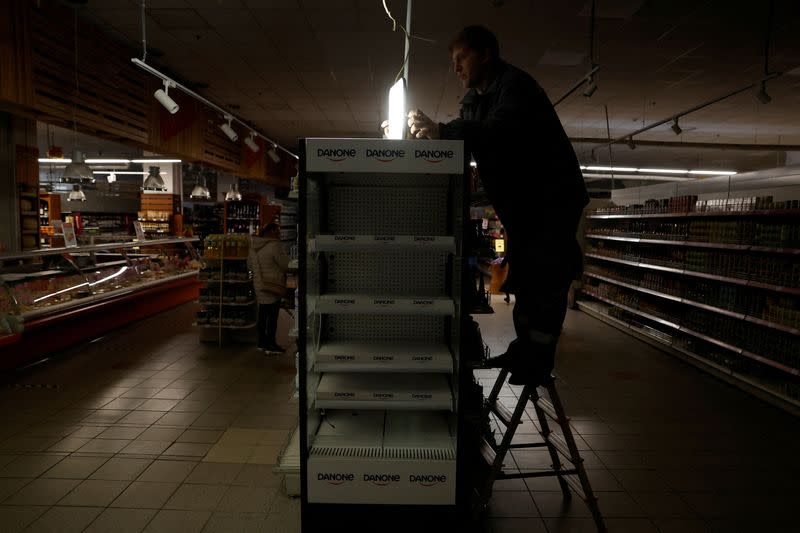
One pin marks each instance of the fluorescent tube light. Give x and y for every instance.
(155, 161)
(713, 172)
(124, 172)
(55, 160)
(663, 170)
(613, 169)
(397, 110)
(108, 161)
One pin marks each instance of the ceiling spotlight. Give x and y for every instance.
(631, 144)
(78, 171)
(676, 128)
(251, 142)
(591, 87)
(162, 95)
(229, 131)
(76, 194)
(762, 95)
(273, 154)
(154, 181)
(112, 178)
(233, 195)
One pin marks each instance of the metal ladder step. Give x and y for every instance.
(560, 444)
(503, 413)
(487, 451)
(549, 410)
(575, 484)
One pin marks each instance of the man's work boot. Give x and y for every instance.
(534, 369)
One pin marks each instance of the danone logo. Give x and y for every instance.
(344, 238)
(381, 480)
(383, 395)
(383, 301)
(423, 302)
(383, 358)
(336, 478)
(385, 238)
(344, 301)
(434, 156)
(337, 155)
(421, 396)
(422, 358)
(344, 358)
(427, 480)
(344, 394)
(424, 238)
(385, 155)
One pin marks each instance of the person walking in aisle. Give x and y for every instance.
(532, 177)
(268, 261)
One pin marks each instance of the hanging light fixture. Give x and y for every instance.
(273, 154)
(77, 170)
(200, 192)
(676, 128)
(154, 181)
(631, 144)
(112, 178)
(762, 95)
(76, 194)
(233, 195)
(228, 130)
(251, 142)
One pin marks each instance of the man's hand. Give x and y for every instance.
(421, 126)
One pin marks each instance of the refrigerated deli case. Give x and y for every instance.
(381, 270)
(53, 298)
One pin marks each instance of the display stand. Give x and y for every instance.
(227, 297)
(381, 270)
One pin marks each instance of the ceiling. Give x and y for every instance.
(297, 68)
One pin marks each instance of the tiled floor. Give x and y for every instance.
(667, 447)
(149, 430)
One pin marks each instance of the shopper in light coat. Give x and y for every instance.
(268, 261)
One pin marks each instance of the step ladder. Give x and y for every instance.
(570, 476)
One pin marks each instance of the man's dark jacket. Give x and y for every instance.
(525, 160)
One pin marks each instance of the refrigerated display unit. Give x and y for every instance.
(54, 298)
(380, 305)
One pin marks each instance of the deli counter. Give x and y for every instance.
(53, 298)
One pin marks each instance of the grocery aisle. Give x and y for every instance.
(147, 429)
(667, 447)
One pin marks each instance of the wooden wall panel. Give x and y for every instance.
(113, 98)
(15, 62)
(108, 98)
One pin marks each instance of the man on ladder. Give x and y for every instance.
(533, 179)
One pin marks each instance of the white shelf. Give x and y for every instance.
(382, 458)
(384, 356)
(384, 391)
(345, 243)
(340, 304)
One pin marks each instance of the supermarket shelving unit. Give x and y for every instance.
(381, 274)
(227, 298)
(708, 271)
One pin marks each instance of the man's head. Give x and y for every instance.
(271, 230)
(475, 54)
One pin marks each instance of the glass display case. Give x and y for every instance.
(55, 280)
